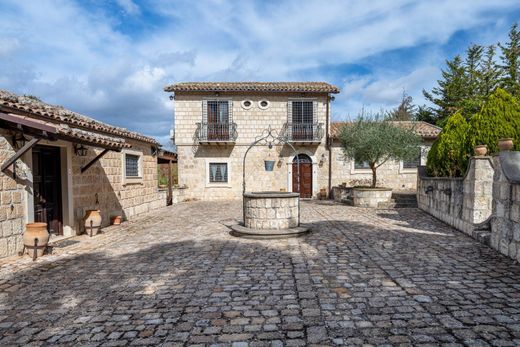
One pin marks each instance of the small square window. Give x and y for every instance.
(131, 165)
(361, 166)
(412, 164)
(218, 172)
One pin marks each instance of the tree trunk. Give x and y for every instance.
(374, 174)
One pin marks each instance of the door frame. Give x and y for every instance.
(314, 172)
(67, 210)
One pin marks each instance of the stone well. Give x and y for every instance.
(271, 210)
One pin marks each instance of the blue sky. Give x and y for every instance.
(111, 59)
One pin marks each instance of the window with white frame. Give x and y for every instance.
(131, 165)
(218, 172)
(361, 165)
(414, 163)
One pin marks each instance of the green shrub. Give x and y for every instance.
(449, 154)
(499, 117)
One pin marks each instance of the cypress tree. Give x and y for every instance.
(448, 156)
(511, 62)
(498, 118)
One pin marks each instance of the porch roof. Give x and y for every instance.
(60, 131)
(73, 124)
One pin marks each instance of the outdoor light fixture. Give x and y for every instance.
(80, 150)
(171, 97)
(322, 160)
(217, 94)
(19, 140)
(269, 162)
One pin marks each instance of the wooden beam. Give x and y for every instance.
(21, 121)
(170, 193)
(20, 152)
(99, 156)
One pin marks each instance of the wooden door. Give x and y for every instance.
(304, 186)
(47, 188)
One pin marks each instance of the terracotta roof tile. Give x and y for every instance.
(268, 87)
(423, 129)
(13, 102)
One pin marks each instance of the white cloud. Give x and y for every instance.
(129, 6)
(90, 61)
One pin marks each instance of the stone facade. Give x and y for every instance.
(391, 174)
(370, 197)
(464, 202)
(12, 202)
(194, 158)
(271, 210)
(505, 224)
(102, 187)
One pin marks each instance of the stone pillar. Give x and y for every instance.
(478, 190)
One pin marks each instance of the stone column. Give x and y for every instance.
(478, 190)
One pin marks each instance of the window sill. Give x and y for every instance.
(408, 171)
(132, 181)
(218, 185)
(361, 171)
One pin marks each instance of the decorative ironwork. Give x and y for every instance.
(270, 137)
(216, 132)
(303, 132)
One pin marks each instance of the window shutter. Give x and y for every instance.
(204, 111)
(289, 111)
(314, 111)
(230, 111)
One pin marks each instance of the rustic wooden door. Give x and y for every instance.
(304, 186)
(47, 188)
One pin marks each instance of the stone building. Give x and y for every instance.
(397, 175)
(56, 164)
(215, 123)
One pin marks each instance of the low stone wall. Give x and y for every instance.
(271, 210)
(464, 203)
(505, 223)
(371, 197)
(340, 193)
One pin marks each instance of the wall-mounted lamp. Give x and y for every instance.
(172, 97)
(80, 150)
(332, 98)
(322, 159)
(19, 140)
(217, 94)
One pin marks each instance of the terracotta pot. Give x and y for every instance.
(116, 220)
(93, 216)
(480, 150)
(505, 144)
(323, 193)
(36, 231)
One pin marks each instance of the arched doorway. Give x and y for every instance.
(305, 185)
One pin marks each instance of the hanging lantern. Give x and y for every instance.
(80, 150)
(19, 140)
(269, 162)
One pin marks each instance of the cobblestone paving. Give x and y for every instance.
(176, 277)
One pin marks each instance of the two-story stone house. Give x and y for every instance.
(215, 123)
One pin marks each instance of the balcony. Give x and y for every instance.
(216, 133)
(304, 133)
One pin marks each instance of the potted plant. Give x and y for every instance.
(505, 144)
(375, 141)
(480, 150)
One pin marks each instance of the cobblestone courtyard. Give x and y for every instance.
(377, 277)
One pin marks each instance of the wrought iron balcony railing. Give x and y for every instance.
(216, 132)
(304, 132)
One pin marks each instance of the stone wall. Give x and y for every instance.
(193, 159)
(505, 224)
(464, 203)
(12, 204)
(391, 174)
(104, 181)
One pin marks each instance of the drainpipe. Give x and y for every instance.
(328, 145)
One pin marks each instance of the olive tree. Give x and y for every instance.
(375, 141)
